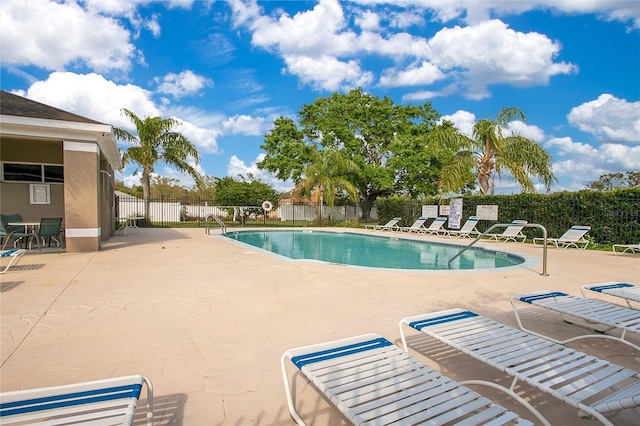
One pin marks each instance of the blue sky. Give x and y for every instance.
(227, 69)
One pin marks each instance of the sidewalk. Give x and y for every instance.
(207, 319)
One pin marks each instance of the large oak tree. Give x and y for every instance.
(385, 140)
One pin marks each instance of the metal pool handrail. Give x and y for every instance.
(221, 223)
(504, 225)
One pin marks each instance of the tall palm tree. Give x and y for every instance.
(325, 176)
(490, 152)
(157, 141)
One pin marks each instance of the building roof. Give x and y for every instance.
(23, 118)
(19, 106)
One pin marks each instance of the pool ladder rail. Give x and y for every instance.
(504, 225)
(207, 221)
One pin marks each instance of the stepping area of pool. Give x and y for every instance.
(207, 319)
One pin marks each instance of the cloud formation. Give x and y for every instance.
(609, 119)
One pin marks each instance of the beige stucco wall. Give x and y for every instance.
(14, 196)
(81, 174)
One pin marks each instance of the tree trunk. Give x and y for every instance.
(367, 204)
(146, 193)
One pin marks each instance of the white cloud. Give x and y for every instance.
(93, 96)
(71, 37)
(205, 139)
(492, 53)
(244, 125)
(520, 128)
(368, 21)
(462, 120)
(328, 72)
(578, 164)
(185, 83)
(237, 168)
(416, 75)
(609, 119)
(626, 11)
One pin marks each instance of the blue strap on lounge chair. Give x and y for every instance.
(373, 382)
(14, 255)
(110, 401)
(628, 292)
(592, 312)
(595, 386)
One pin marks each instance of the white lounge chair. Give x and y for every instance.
(594, 386)
(418, 225)
(106, 402)
(392, 225)
(573, 237)
(628, 292)
(592, 312)
(14, 256)
(436, 226)
(512, 232)
(373, 382)
(467, 230)
(633, 248)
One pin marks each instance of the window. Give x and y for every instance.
(20, 172)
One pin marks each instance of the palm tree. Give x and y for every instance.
(156, 141)
(489, 152)
(325, 176)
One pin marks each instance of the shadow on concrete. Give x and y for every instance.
(168, 410)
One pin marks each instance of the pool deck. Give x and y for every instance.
(207, 319)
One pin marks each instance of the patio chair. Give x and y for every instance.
(591, 385)
(436, 226)
(513, 232)
(392, 225)
(6, 230)
(49, 229)
(467, 230)
(418, 225)
(373, 382)
(573, 237)
(633, 248)
(628, 292)
(107, 402)
(594, 314)
(14, 256)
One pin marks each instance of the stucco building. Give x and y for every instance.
(58, 164)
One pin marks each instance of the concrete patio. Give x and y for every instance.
(207, 319)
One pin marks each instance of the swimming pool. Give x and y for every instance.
(374, 251)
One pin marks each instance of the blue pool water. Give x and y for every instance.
(373, 251)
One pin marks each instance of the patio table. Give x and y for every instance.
(29, 229)
(131, 222)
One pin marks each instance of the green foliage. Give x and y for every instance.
(327, 176)
(166, 187)
(491, 153)
(135, 190)
(385, 141)
(613, 181)
(396, 206)
(157, 141)
(231, 192)
(614, 216)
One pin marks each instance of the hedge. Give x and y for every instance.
(614, 216)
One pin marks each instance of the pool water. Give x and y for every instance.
(373, 251)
